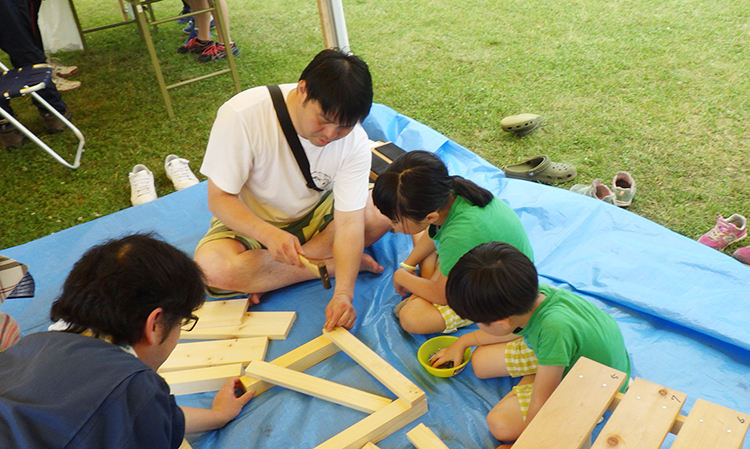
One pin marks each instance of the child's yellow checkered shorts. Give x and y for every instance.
(452, 321)
(521, 361)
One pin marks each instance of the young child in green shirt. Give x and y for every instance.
(496, 286)
(446, 216)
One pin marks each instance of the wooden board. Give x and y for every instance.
(643, 418)
(200, 380)
(215, 352)
(710, 425)
(299, 359)
(228, 312)
(422, 437)
(377, 426)
(317, 387)
(376, 366)
(582, 397)
(274, 325)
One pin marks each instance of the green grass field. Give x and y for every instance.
(656, 88)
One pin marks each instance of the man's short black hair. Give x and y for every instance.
(492, 282)
(114, 287)
(341, 84)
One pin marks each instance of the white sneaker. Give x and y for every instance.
(623, 186)
(142, 188)
(596, 190)
(179, 172)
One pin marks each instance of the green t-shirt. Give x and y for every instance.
(565, 327)
(468, 226)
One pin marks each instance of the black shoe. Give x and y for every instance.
(10, 136)
(53, 124)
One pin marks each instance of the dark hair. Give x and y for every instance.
(492, 282)
(341, 84)
(417, 183)
(114, 287)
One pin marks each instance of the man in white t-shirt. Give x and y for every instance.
(265, 215)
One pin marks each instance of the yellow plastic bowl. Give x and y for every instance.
(433, 345)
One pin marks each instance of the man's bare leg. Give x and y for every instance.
(229, 265)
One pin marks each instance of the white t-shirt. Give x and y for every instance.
(248, 155)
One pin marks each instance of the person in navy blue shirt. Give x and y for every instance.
(94, 384)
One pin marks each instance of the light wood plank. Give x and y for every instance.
(389, 376)
(582, 397)
(228, 312)
(274, 325)
(298, 359)
(377, 426)
(215, 352)
(710, 425)
(317, 387)
(370, 445)
(643, 418)
(200, 380)
(422, 437)
(185, 445)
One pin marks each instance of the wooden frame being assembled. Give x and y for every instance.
(387, 416)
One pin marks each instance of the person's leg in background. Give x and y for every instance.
(203, 21)
(16, 39)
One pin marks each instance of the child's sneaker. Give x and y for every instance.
(179, 172)
(623, 186)
(142, 188)
(743, 255)
(217, 52)
(195, 45)
(596, 190)
(725, 232)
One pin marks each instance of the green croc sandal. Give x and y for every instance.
(541, 169)
(521, 124)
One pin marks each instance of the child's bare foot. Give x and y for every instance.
(505, 446)
(369, 264)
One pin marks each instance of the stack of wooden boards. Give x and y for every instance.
(230, 338)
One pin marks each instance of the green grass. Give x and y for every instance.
(656, 88)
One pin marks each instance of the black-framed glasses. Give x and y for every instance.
(189, 323)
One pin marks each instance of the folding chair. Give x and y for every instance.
(27, 81)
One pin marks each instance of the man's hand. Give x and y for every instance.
(226, 403)
(284, 247)
(340, 312)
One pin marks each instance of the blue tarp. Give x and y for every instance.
(682, 307)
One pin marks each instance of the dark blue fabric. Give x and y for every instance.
(62, 390)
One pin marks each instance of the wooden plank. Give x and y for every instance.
(710, 425)
(389, 376)
(228, 312)
(185, 445)
(215, 352)
(582, 397)
(422, 437)
(317, 387)
(370, 445)
(274, 325)
(200, 380)
(377, 426)
(298, 359)
(643, 418)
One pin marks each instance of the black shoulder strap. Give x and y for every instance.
(291, 135)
